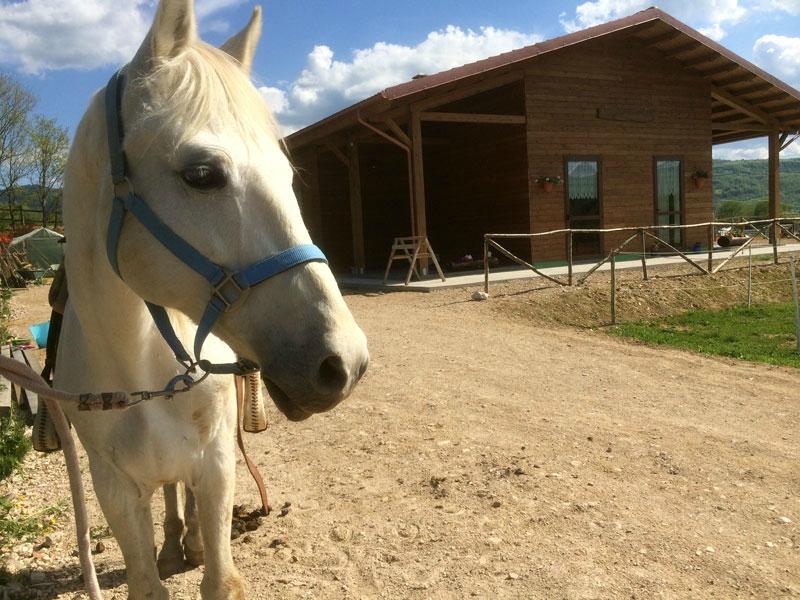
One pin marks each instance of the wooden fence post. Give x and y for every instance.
(485, 264)
(796, 305)
(775, 241)
(569, 256)
(644, 256)
(710, 246)
(750, 277)
(614, 287)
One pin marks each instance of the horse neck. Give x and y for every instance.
(112, 318)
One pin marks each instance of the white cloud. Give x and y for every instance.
(789, 6)
(326, 85)
(42, 35)
(779, 54)
(715, 31)
(712, 15)
(747, 153)
(751, 150)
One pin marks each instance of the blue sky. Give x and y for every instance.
(318, 56)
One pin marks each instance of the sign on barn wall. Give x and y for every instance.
(646, 114)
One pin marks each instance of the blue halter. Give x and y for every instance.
(228, 288)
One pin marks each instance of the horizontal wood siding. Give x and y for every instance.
(384, 193)
(476, 183)
(336, 234)
(563, 94)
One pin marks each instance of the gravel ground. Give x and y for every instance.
(492, 453)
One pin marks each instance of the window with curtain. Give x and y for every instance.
(668, 199)
(583, 186)
(583, 205)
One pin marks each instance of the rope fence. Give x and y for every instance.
(771, 230)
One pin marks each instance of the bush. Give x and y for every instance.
(14, 444)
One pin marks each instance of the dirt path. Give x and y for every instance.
(484, 456)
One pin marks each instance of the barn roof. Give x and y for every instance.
(747, 101)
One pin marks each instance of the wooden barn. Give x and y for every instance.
(625, 114)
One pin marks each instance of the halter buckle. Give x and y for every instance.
(229, 292)
(126, 182)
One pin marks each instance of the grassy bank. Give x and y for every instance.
(762, 333)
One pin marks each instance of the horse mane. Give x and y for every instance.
(188, 89)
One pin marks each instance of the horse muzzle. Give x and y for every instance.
(331, 381)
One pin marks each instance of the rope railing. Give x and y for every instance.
(769, 229)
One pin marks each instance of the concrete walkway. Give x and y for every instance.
(500, 274)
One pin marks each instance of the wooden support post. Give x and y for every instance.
(485, 265)
(356, 209)
(774, 188)
(710, 247)
(569, 256)
(796, 305)
(419, 183)
(644, 255)
(613, 287)
(750, 276)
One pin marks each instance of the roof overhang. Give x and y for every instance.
(746, 102)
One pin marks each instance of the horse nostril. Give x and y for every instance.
(332, 374)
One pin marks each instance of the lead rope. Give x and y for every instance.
(25, 377)
(242, 396)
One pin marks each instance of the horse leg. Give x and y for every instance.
(127, 510)
(170, 559)
(214, 494)
(192, 541)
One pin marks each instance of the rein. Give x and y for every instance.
(228, 288)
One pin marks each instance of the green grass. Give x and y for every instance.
(30, 527)
(761, 334)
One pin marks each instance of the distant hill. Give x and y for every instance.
(746, 181)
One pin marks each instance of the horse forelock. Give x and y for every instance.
(199, 87)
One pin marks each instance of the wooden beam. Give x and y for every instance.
(744, 106)
(673, 52)
(721, 70)
(417, 162)
(356, 209)
(693, 63)
(740, 126)
(736, 79)
(774, 176)
(338, 154)
(466, 90)
(398, 131)
(785, 143)
(660, 39)
(447, 117)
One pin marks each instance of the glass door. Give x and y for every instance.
(583, 206)
(669, 199)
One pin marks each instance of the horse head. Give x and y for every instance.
(204, 152)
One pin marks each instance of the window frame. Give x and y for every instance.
(598, 159)
(682, 199)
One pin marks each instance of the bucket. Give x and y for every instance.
(39, 333)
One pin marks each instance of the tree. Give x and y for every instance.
(16, 104)
(48, 156)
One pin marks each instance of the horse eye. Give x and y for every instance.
(204, 177)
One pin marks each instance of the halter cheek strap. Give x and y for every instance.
(228, 289)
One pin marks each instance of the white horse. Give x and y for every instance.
(203, 151)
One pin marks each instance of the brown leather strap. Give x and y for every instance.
(239, 438)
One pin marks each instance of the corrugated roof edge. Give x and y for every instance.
(429, 82)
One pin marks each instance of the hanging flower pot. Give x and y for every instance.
(699, 179)
(548, 184)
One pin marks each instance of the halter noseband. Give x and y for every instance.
(228, 288)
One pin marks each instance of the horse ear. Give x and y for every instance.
(174, 28)
(242, 46)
